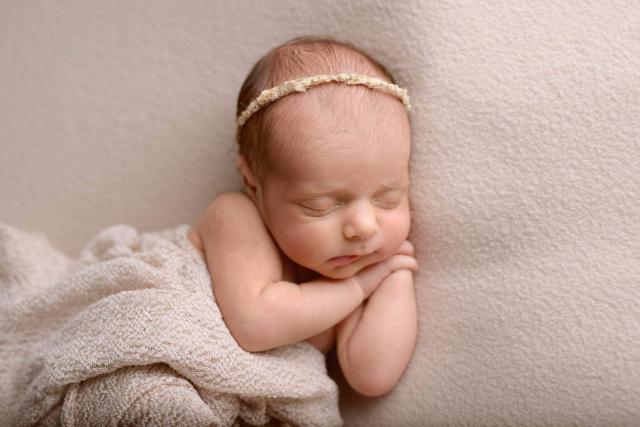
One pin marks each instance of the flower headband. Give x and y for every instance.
(301, 84)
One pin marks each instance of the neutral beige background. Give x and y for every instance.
(526, 172)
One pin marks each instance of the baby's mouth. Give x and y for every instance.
(343, 260)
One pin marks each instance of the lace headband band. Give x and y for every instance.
(301, 84)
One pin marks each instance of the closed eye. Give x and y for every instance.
(387, 204)
(319, 209)
(390, 199)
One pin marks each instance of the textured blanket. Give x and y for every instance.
(129, 333)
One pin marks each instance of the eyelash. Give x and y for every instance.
(391, 204)
(388, 205)
(319, 211)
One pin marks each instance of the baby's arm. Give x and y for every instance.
(260, 309)
(376, 341)
(326, 340)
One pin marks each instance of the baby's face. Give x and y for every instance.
(341, 187)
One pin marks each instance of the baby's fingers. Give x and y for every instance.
(370, 277)
(406, 248)
(398, 262)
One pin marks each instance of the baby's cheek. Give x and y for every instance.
(306, 241)
(398, 226)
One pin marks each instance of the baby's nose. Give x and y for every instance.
(362, 223)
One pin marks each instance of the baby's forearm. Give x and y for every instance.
(375, 342)
(287, 313)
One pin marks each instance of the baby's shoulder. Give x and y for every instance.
(226, 211)
(232, 233)
(233, 208)
(232, 220)
(232, 201)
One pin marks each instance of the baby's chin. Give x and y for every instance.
(349, 270)
(338, 275)
(345, 271)
(342, 272)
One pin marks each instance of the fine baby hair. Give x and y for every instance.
(293, 67)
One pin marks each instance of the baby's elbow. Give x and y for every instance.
(249, 339)
(368, 380)
(371, 386)
(241, 331)
(245, 343)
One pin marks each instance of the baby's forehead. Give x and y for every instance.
(331, 110)
(325, 155)
(316, 167)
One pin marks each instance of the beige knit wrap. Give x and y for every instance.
(130, 334)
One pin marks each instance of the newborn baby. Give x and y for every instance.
(315, 248)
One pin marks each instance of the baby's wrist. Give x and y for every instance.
(353, 282)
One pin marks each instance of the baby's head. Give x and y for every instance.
(328, 168)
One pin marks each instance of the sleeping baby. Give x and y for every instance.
(315, 247)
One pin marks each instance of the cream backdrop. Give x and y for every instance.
(526, 130)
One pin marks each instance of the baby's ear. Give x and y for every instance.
(247, 174)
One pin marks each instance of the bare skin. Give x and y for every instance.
(324, 341)
(374, 331)
(277, 252)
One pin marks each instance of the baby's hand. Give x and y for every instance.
(370, 277)
(406, 248)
